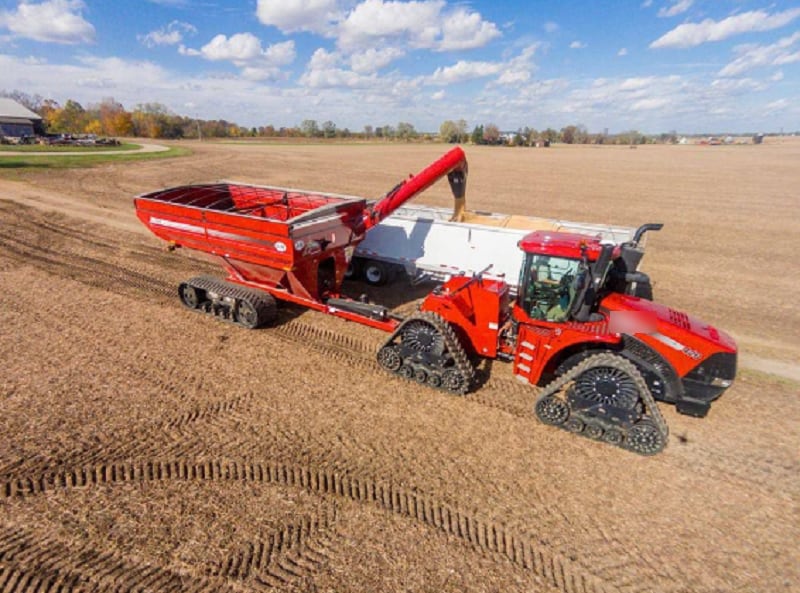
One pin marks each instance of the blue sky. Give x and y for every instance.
(652, 65)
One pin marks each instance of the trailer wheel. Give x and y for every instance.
(353, 271)
(376, 273)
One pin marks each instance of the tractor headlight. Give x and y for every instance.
(720, 382)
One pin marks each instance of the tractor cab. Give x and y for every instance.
(557, 271)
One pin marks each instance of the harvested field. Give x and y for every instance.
(148, 448)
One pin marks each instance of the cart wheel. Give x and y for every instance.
(189, 296)
(247, 316)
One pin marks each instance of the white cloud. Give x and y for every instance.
(550, 27)
(577, 45)
(243, 49)
(679, 7)
(753, 56)
(438, 95)
(777, 77)
(421, 24)
(647, 3)
(462, 71)
(324, 72)
(737, 85)
(623, 51)
(52, 21)
(172, 34)
(693, 34)
(316, 16)
(519, 70)
(466, 30)
(372, 60)
(779, 105)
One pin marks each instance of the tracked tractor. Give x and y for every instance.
(580, 324)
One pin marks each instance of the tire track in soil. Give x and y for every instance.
(287, 555)
(31, 563)
(486, 536)
(736, 468)
(185, 433)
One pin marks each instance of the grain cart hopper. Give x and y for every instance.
(289, 244)
(582, 325)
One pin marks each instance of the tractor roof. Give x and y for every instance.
(561, 244)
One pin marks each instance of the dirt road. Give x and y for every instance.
(144, 447)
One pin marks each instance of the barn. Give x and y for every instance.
(17, 120)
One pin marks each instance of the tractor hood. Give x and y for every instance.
(685, 340)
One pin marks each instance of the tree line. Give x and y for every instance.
(154, 120)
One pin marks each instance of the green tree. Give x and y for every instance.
(453, 132)
(329, 129)
(310, 128)
(477, 135)
(406, 131)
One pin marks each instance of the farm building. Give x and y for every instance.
(17, 121)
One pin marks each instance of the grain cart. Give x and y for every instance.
(602, 354)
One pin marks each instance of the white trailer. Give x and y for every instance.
(424, 242)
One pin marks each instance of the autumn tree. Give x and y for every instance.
(491, 134)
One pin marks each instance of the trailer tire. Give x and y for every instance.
(377, 273)
(354, 269)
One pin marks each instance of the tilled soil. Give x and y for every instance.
(146, 447)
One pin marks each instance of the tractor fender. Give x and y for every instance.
(660, 375)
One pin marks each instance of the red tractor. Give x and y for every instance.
(581, 323)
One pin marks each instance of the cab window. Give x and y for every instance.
(547, 286)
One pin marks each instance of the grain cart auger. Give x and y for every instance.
(582, 323)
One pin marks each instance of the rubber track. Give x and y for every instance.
(453, 344)
(264, 302)
(559, 386)
(46, 565)
(483, 535)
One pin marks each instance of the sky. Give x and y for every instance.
(692, 66)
